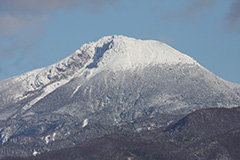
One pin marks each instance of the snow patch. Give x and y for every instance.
(49, 138)
(6, 134)
(115, 120)
(35, 152)
(68, 133)
(139, 129)
(75, 91)
(168, 123)
(85, 123)
(53, 137)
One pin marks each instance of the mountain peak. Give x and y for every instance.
(122, 53)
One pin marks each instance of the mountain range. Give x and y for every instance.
(116, 85)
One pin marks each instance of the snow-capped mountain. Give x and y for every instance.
(110, 83)
(116, 53)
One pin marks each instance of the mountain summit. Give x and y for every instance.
(114, 83)
(122, 53)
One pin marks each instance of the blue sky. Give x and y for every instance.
(38, 33)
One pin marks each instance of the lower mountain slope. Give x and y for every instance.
(208, 134)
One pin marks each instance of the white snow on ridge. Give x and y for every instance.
(123, 53)
(128, 53)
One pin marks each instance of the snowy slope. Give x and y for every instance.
(115, 53)
(111, 53)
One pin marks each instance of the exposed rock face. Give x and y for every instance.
(116, 83)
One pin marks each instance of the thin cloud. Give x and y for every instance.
(48, 5)
(11, 23)
(20, 18)
(21, 14)
(192, 9)
(232, 20)
(42, 5)
(197, 7)
(18, 15)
